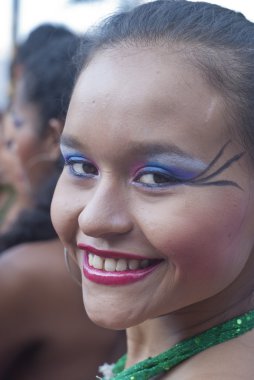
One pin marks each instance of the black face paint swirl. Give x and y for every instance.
(202, 179)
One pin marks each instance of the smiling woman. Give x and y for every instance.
(158, 150)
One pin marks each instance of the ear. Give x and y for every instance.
(55, 127)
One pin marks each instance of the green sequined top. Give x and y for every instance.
(152, 367)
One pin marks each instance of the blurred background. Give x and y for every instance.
(19, 17)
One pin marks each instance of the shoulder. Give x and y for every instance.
(24, 268)
(22, 296)
(35, 286)
(19, 260)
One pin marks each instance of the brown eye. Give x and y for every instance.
(82, 168)
(153, 179)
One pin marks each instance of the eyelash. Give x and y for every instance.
(70, 162)
(205, 177)
(167, 179)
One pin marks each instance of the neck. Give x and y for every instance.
(171, 358)
(159, 334)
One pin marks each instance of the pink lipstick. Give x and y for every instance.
(115, 268)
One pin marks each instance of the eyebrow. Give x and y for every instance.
(140, 148)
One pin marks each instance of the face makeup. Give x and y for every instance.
(150, 165)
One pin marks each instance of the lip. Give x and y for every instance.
(110, 254)
(114, 278)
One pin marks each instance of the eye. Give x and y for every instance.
(9, 144)
(156, 178)
(17, 121)
(81, 167)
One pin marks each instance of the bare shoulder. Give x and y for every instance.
(21, 294)
(26, 259)
(22, 271)
(232, 360)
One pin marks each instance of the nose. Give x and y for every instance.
(106, 213)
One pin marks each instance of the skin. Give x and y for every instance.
(35, 153)
(48, 315)
(13, 173)
(129, 96)
(12, 169)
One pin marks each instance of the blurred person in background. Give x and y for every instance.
(7, 193)
(45, 334)
(13, 182)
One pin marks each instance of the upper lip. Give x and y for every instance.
(111, 254)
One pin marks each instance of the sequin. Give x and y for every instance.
(167, 360)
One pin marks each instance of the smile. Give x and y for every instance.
(116, 265)
(102, 268)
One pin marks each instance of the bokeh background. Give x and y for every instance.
(19, 17)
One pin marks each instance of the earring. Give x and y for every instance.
(68, 266)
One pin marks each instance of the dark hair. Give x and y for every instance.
(33, 224)
(49, 74)
(219, 41)
(39, 38)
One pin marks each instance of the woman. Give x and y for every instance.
(16, 186)
(7, 193)
(158, 149)
(44, 331)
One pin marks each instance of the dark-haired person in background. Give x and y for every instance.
(7, 193)
(14, 178)
(45, 334)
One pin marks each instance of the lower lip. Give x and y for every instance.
(114, 278)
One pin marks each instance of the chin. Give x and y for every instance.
(110, 317)
(109, 320)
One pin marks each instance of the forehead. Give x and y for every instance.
(154, 90)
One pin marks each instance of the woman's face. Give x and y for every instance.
(155, 199)
(31, 148)
(12, 169)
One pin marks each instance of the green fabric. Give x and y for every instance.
(162, 363)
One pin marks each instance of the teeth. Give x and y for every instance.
(116, 265)
(121, 265)
(110, 265)
(133, 264)
(90, 259)
(97, 262)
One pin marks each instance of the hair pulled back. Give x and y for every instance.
(219, 41)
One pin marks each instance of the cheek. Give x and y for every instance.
(25, 150)
(28, 145)
(202, 233)
(64, 213)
